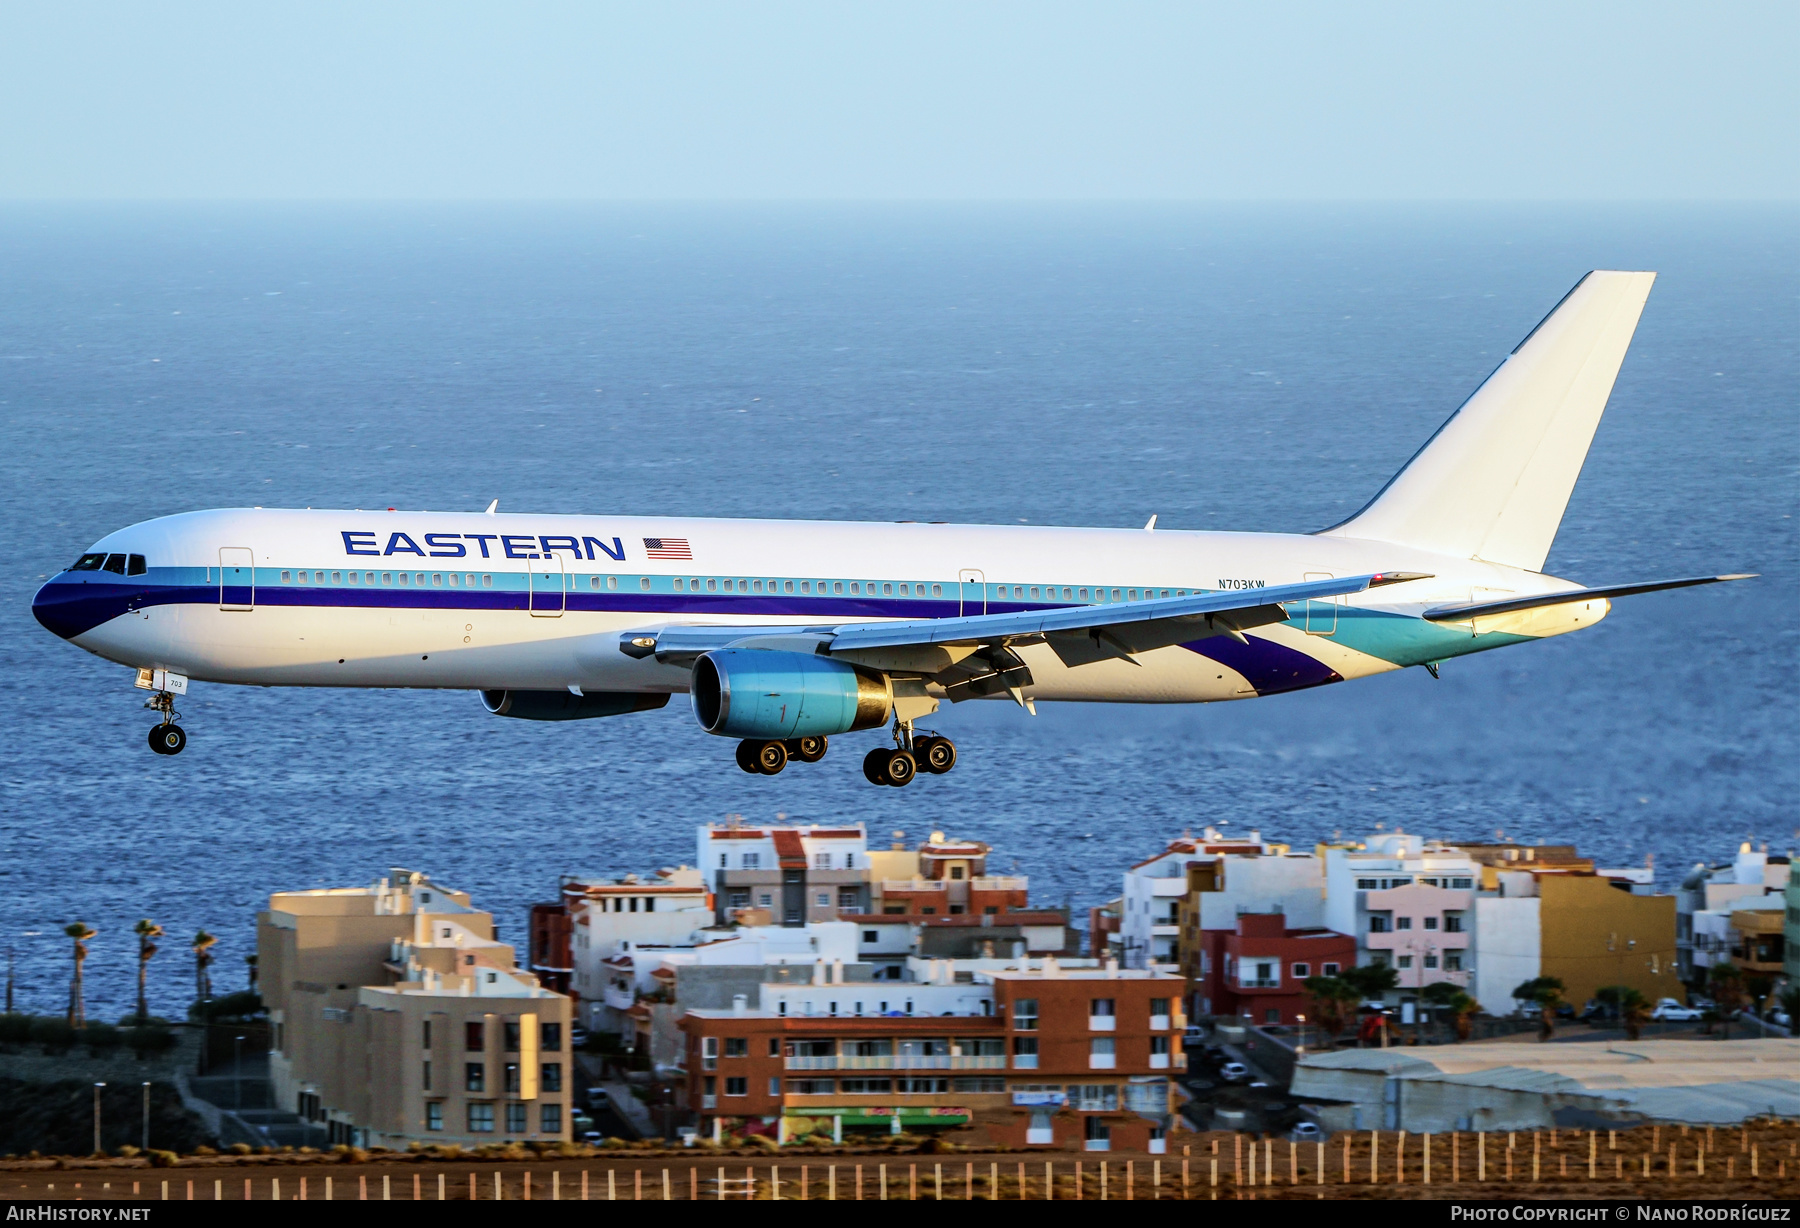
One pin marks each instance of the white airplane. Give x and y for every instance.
(786, 633)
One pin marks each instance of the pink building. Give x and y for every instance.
(1422, 932)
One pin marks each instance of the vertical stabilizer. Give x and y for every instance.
(1493, 481)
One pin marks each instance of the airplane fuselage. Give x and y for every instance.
(478, 601)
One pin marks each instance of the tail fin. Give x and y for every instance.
(1493, 481)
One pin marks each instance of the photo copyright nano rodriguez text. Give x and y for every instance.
(1701, 1213)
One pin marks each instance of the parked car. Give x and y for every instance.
(1307, 1132)
(1234, 1072)
(597, 1097)
(1670, 1011)
(578, 1035)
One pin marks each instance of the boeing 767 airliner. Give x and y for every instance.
(786, 633)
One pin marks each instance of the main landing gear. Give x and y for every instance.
(768, 758)
(909, 756)
(167, 738)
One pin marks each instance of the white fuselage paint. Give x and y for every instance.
(475, 648)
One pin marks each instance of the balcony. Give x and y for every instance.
(1103, 1061)
(1159, 1061)
(1103, 1023)
(1000, 883)
(1159, 1023)
(1259, 984)
(709, 1102)
(1025, 1061)
(901, 1061)
(912, 884)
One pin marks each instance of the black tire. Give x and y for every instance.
(168, 739)
(873, 764)
(938, 756)
(898, 768)
(746, 757)
(771, 757)
(808, 750)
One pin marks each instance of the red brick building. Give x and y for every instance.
(1047, 1058)
(1258, 970)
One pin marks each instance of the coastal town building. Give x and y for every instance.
(397, 1017)
(1589, 929)
(1710, 897)
(1259, 970)
(1213, 879)
(1039, 1054)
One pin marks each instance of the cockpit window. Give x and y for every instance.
(88, 562)
(137, 567)
(115, 563)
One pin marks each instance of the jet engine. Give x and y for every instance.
(566, 705)
(761, 693)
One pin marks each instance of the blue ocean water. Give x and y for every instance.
(1221, 367)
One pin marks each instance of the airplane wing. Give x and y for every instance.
(959, 652)
(1461, 613)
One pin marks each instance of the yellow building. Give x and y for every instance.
(396, 1016)
(1595, 934)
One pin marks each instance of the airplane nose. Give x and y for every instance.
(58, 607)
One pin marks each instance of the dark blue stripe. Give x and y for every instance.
(69, 606)
(1270, 668)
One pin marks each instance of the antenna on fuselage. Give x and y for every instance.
(493, 507)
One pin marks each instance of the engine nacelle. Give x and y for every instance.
(758, 693)
(566, 705)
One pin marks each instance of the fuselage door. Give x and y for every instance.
(974, 591)
(1321, 616)
(237, 578)
(548, 583)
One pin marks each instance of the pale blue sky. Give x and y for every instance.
(922, 100)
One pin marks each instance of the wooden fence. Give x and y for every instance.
(1646, 1162)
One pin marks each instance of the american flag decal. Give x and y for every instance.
(667, 548)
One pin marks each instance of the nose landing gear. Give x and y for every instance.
(167, 738)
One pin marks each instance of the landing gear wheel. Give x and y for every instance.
(771, 757)
(936, 754)
(807, 750)
(898, 768)
(746, 757)
(872, 763)
(168, 739)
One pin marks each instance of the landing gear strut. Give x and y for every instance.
(167, 738)
(768, 758)
(927, 752)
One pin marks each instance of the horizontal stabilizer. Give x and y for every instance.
(1460, 613)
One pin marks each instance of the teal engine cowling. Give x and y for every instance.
(566, 705)
(758, 693)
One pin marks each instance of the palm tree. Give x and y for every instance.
(1546, 993)
(80, 931)
(1372, 981)
(202, 945)
(1725, 981)
(1455, 1002)
(147, 932)
(1334, 1001)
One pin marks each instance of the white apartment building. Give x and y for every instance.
(1393, 878)
(612, 917)
(1235, 875)
(1708, 896)
(791, 875)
